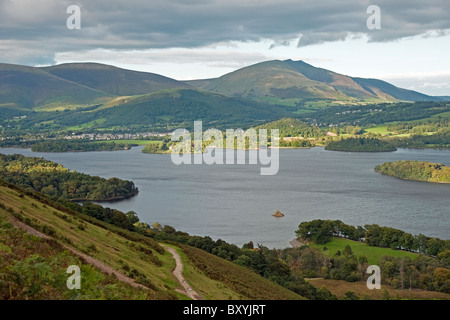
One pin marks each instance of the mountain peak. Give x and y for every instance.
(296, 80)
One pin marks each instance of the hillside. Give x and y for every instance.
(298, 80)
(25, 88)
(175, 107)
(129, 255)
(113, 80)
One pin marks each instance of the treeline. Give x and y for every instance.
(290, 127)
(441, 139)
(64, 145)
(158, 147)
(419, 127)
(422, 272)
(321, 232)
(56, 181)
(360, 144)
(296, 143)
(416, 170)
(375, 113)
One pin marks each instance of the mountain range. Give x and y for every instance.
(93, 93)
(80, 84)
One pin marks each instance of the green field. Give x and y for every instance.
(444, 115)
(373, 254)
(378, 129)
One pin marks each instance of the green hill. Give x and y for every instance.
(177, 107)
(113, 80)
(27, 88)
(271, 78)
(287, 80)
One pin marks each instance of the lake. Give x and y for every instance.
(235, 203)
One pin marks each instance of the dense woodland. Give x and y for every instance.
(56, 181)
(360, 144)
(416, 170)
(62, 145)
(290, 127)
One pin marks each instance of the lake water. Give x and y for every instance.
(235, 203)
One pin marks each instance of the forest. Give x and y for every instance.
(416, 170)
(360, 144)
(63, 145)
(54, 180)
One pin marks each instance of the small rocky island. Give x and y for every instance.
(278, 214)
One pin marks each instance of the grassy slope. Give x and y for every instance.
(132, 257)
(35, 268)
(373, 254)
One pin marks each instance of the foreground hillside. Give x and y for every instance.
(132, 257)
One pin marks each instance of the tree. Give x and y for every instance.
(132, 216)
(351, 295)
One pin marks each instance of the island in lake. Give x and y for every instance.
(360, 144)
(416, 170)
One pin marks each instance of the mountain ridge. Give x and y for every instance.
(298, 79)
(75, 85)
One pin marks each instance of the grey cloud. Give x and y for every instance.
(136, 24)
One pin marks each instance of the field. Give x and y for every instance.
(378, 129)
(382, 129)
(373, 254)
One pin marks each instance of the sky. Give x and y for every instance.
(197, 39)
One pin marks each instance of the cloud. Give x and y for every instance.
(433, 83)
(39, 26)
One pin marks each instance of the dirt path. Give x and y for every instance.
(178, 273)
(90, 260)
